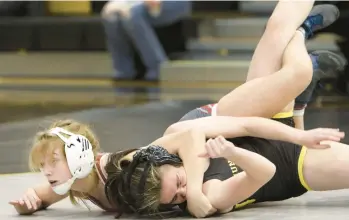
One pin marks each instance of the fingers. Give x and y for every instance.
(27, 202)
(214, 148)
(14, 202)
(221, 140)
(204, 155)
(332, 132)
(210, 145)
(21, 201)
(30, 200)
(322, 146)
(331, 138)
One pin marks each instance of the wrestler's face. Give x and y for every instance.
(55, 167)
(173, 184)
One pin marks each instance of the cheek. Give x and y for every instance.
(168, 188)
(63, 169)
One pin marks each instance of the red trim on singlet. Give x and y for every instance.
(103, 178)
(100, 173)
(207, 108)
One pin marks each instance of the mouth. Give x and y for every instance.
(53, 182)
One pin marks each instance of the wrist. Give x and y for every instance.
(230, 152)
(298, 137)
(193, 194)
(193, 190)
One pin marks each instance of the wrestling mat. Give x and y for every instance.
(122, 128)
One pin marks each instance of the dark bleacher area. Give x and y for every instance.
(27, 25)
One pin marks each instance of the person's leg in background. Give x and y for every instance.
(139, 23)
(119, 46)
(118, 42)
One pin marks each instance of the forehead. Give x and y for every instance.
(168, 183)
(46, 149)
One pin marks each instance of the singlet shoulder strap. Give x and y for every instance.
(101, 174)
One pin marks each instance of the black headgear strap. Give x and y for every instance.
(152, 155)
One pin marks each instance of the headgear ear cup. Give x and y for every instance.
(79, 155)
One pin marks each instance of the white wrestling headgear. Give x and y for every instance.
(80, 157)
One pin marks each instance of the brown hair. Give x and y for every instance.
(148, 200)
(45, 143)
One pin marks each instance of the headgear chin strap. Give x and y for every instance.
(80, 157)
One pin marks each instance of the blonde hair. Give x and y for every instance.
(45, 143)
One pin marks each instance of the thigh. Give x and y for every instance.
(327, 169)
(284, 21)
(263, 97)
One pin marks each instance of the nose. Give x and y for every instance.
(183, 192)
(47, 171)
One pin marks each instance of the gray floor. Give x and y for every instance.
(136, 126)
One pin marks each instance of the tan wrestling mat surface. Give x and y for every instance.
(313, 205)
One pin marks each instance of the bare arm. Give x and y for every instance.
(187, 144)
(230, 127)
(258, 170)
(47, 195)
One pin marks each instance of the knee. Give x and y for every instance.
(302, 71)
(274, 24)
(110, 10)
(277, 25)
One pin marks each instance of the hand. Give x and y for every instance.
(154, 7)
(218, 147)
(28, 203)
(152, 3)
(112, 7)
(313, 138)
(199, 206)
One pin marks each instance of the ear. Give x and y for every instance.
(124, 163)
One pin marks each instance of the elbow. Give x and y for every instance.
(171, 129)
(196, 133)
(270, 170)
(190, 132)
(174, 128)
(265, 174)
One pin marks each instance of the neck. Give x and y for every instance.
(85, 185)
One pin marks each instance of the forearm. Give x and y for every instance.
(255, 166)
(194, 166)
(271, 129)
(187, 143)
(258, 170)
(230, 127)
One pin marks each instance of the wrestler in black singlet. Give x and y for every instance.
(286, 182)
(287, 158)
(205, 111)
